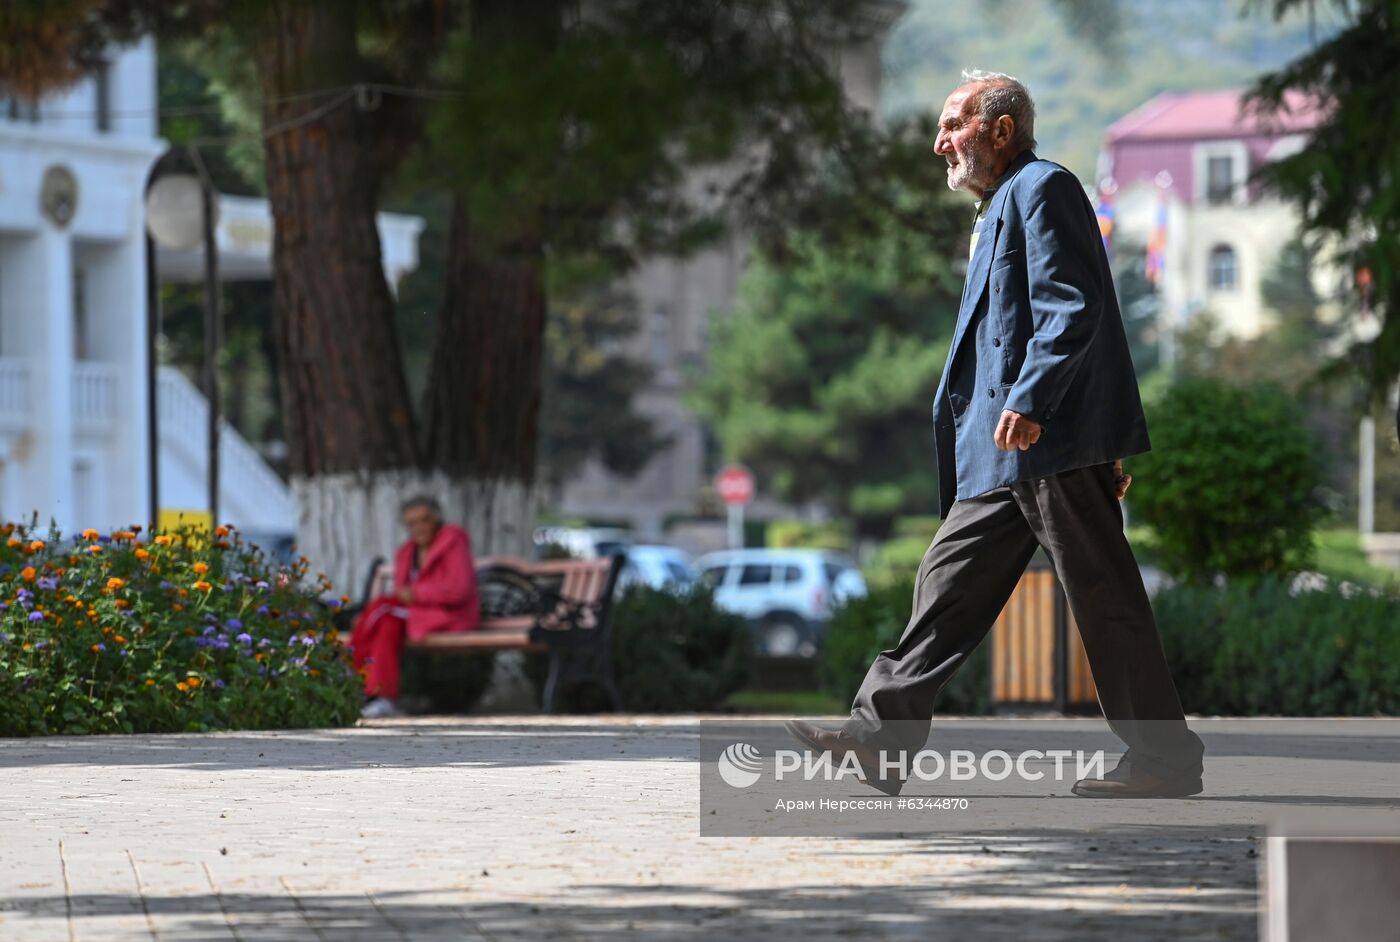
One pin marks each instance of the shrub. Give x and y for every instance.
(434, 682)
(1243, 649)
(109, 633)
(864, 627)
(1230, 484)
(672, 652)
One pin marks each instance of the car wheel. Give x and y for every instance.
(780, 636)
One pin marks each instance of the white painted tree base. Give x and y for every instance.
(346, 520)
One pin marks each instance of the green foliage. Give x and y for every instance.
(1230, 486)
(831, 535)
(109, 634)
(821, 377)
(590, 383)
(1345, 180)
(1257, 649)
(864, 627)
(672, 652)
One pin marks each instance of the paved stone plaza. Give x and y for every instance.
(576, 828)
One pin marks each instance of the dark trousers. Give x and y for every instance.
(964, 581)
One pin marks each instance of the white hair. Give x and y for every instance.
(1001, 94)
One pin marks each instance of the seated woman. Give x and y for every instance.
(434, 590)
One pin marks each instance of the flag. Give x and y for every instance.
(1104, 212)
(1157, 245)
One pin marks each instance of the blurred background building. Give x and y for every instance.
(73, 364)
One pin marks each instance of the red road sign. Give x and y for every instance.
(735, 484)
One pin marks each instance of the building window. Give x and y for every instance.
(102, 92)
(1220, 179)
(1224, 268)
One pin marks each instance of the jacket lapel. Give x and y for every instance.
(980, 266)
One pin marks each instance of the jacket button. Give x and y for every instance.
(992, 393)
(996, 341)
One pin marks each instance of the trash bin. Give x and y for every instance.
(1038, 660)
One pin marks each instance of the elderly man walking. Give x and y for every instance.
(1037, 407)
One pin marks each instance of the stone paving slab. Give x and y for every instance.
(506, 828)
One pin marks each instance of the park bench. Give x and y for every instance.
(558, 606)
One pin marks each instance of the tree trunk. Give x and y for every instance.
(349, 424)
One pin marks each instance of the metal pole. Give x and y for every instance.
(1366, 487)
(736, 526)
(213, 338)
(152, 413)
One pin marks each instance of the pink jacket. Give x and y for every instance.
(444, 594)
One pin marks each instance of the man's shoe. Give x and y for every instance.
(839, 743)
(1136, 784)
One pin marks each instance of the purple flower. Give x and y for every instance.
(260, 584)
(124, 652)
(165, 584)
(40, 644)
(244, 638)
(48, 582)
(36, 616)
(263, 642)
(101, 646)
(4, 605)
(4, 638)
(24, 595)
(209, 630)
(264, 610)
(333, 603)
(308, 641)
(219, 683)
(233, 624)
(126, 613)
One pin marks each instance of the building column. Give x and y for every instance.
(51, 381)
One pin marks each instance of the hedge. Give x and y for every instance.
(110, 633)
(864, 627)
(1242, 650)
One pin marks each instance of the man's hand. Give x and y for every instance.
(1121, 480)
(1014, 430)
(405, 595)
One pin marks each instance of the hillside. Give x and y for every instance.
(1081, 83)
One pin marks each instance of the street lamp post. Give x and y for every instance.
(182, 211)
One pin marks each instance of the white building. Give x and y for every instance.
(73, 366)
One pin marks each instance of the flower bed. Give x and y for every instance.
(108, 633)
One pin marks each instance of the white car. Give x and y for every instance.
(661, 567)
(787, 594)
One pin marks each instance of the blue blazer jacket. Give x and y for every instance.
(1039, 332)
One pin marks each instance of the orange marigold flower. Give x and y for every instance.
(222, 544)
(119, 639)
(193, 681)
(221, 531)
(14, 541)
(93, 648)
(123, 535)
(28, 573)
(180, 608)
(90, 534)
(314, 672)
(181, 686)
(143, 554)
(115, 583)
(163, 540)
(200, 568)
(150, 682)
(202, 586)
(37, 545)
(123, 603)
(95, 548)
